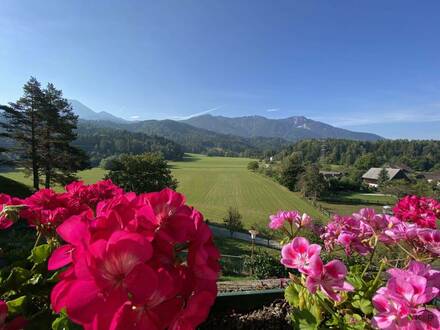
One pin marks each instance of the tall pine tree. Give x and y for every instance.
(42, 125)
(22, 123)
(60, 160)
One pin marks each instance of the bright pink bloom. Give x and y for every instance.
(47, 208)
(6, 200)
(419, 269)
(430, 240)
(330, 278)
(400, 304)
(353, 232)
(141, 262)
(420, 210)
(298, 253)
(293, 217)
(92, 194)
(16, 324)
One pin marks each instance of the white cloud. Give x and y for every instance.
(273, 110)
(135, 117)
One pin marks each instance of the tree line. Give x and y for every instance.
(42, 126)
(103, 142)
(421, 155)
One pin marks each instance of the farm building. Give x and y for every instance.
(331, 174)
(371, 177)
(432, 177)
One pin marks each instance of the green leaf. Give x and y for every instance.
(35, 279)
(356, 280)
(364, 305)
(16, 306)
(62, 322)
(40, 254)
(16, 278)
(306, 320)
(354, 322)
(291, 295)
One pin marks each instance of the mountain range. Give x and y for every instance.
(250, 127)
(291, 128)
(84, 112)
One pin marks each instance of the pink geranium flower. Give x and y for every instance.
(353, 232)
(278, 220)
(16, 324)
(330, 278)
(430, 240)
(400, 304)
(4, 221)
(298, 254)
(420, 210)
(137, 262)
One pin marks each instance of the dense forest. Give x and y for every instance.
(198, 140)
(420, 155)
(102, 142)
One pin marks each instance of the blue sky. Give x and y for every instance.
(364, 65)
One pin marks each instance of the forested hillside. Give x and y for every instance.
(198, 140)
(421, 155)
(101, 142)
(292, 128)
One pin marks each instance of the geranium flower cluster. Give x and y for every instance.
(405, 302)
(400, 304)
(294, 218)
(420, 210)
(355, 232)
(305, 257)
(7, 218)
(358, 232)
(129, 261)
(15, 324)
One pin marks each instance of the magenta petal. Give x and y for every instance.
(82, 301)
(60, 257)
(135, 283)
(300, 244)
(74, 230)
(335, 269)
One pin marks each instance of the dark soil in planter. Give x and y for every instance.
(272, 317)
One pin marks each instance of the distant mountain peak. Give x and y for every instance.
(293, 128)
(86, 113)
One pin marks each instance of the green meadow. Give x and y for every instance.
(212, 184)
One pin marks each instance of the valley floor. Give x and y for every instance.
(212, 184)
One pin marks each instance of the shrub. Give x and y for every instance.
(142, 173)
(232, 220)
(253, 166)
(263, 265)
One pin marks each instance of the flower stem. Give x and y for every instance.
(37, 241)
(406, 251)
(376, 279)
(371, 258)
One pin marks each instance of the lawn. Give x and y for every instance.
(235, 247)
(212, 184)
(348, 203)
(88, 176)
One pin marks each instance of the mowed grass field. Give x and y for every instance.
(348, 203)
(212, 184)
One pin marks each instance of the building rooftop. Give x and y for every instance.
(374, 172)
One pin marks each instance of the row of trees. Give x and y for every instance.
(41, 126)
(103, 142)
(418, 154)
